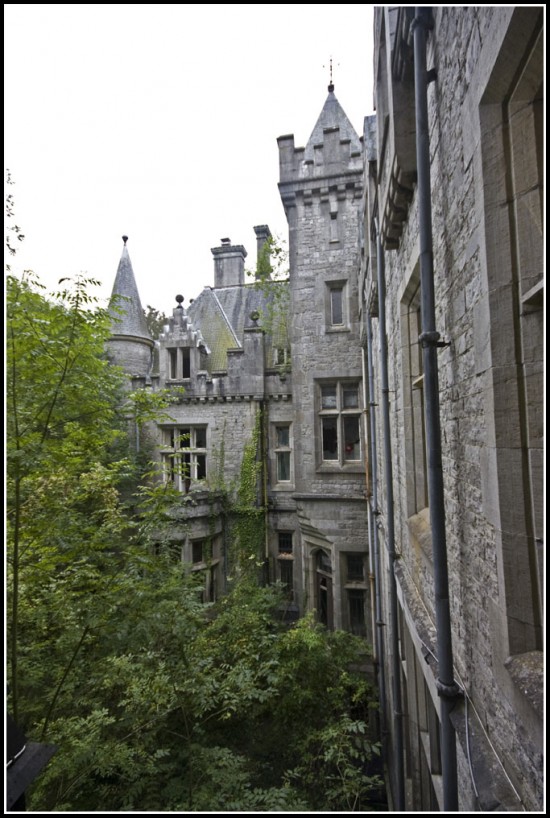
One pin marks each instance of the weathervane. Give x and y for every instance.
(331, 84)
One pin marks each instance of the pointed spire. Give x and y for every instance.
(132, 320)
(332, 116)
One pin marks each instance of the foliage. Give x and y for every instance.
(155, 320)
(248, 511)
(155, 701)
(61, 423)
(271, 280)
(13, 230)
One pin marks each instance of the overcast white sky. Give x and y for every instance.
(160, 121)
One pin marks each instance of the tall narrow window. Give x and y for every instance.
(340, 423)
(334, 226)
(173, 363)
(413, 375)
(283, 450)
(356, 603)
(197, 548)
(285, 561)
(185, 362)
(355, 568)
(336, 311)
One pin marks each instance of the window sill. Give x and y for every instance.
(337, 329)
(326, 468)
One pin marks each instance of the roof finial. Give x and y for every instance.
(125, 239)
(331, 84)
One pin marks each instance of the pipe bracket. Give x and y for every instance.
(452, 691)
(424, 19)
(431, 339)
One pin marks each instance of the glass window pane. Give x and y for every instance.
(350, 396)
(201, 466)
(285, 542)
(200, 438)
(183, 438)
(330, 438)
(336, 314)
(328, 396)
(283, 436)
(186, 362)
(283, 466)
(173, 355)
(352, 446)
(285, 572)
(355, 567)
(356, 601)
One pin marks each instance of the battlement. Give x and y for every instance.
(334, 155)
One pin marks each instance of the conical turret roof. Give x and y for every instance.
(125, 297)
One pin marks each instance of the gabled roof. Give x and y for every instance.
(332, 116)
(125, 308)
(222, 314)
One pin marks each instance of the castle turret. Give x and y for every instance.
(130, 345)
(321, 188)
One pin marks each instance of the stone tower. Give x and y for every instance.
(130, 345)
(321, 187)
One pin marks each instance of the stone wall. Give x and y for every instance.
(479, 315)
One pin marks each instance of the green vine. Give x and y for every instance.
(248, 513)
(271, 279)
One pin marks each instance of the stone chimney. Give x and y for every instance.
(263, 266)
(229, 264)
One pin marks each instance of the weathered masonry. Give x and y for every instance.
(479, 183)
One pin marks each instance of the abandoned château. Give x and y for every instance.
(394, 383)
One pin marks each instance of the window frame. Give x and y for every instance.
(280, 450)
(337, 418)
(285, 561)
(176, 457)
(178, 363)
(331, 287)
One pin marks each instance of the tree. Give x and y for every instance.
(155, 321)
(61, 399)
(154, 700)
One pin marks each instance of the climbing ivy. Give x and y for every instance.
(271, 279)
(247, 511)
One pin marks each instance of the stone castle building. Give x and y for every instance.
(451, 290)
(396, 379)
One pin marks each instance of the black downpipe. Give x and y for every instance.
(397, 756)
(447, 688)
(375, 540)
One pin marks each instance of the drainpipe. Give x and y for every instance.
(372, 587)
(390, 535)
(447, 688)
(373, 533)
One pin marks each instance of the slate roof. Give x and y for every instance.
(332, 115)
(132, 320)
(222, 314)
